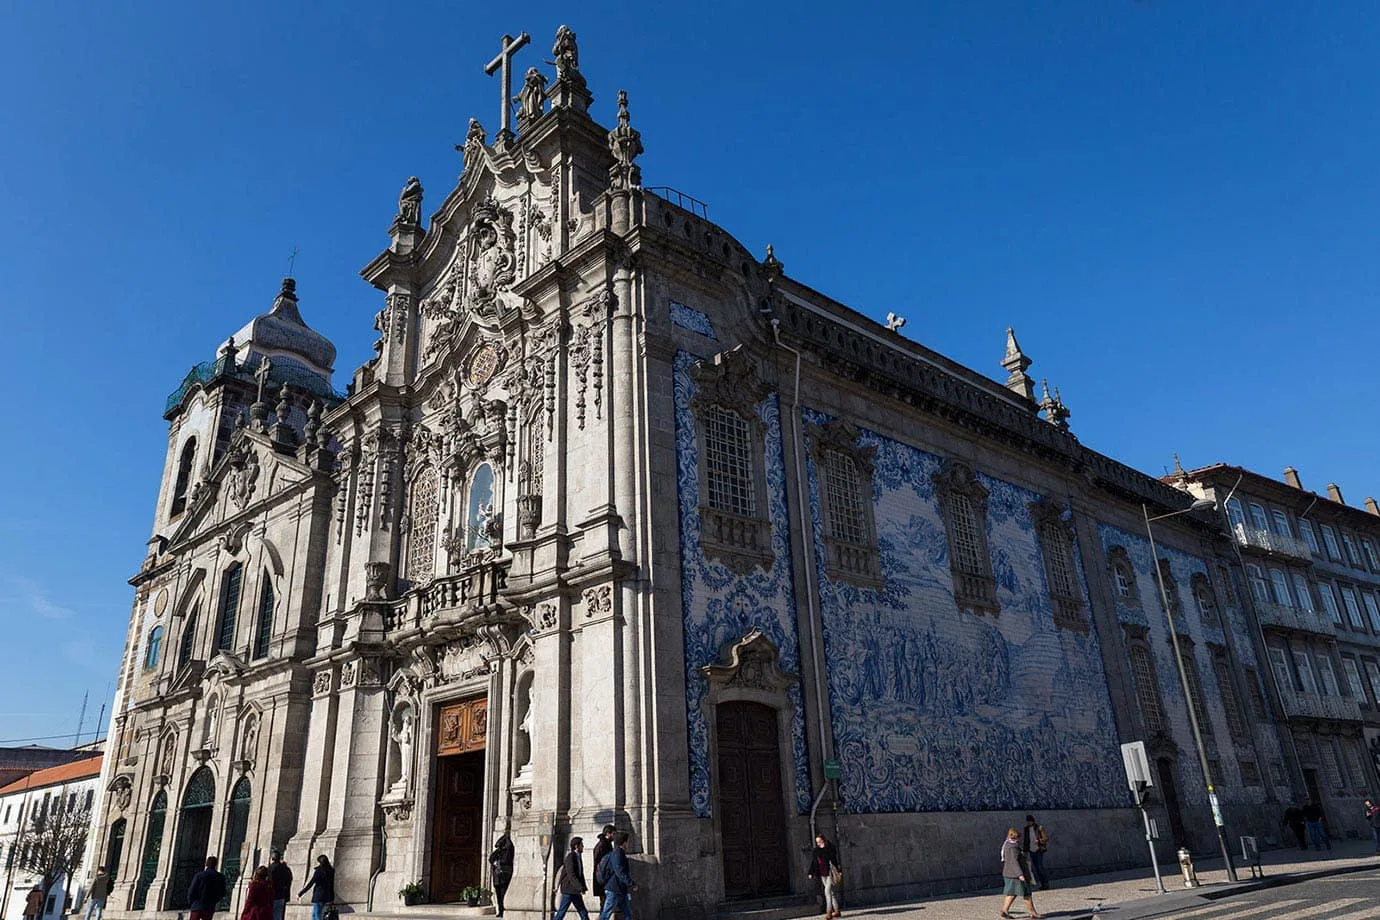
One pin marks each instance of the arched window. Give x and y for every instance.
(188, 644)
(481, 517)
(229, 606)
(155, 647)
(421, 535)
(263, 628)
(115, 848)
(193, 835)
(236, 828)
(1123, 576)
(184, 476)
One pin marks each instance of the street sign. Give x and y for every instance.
(1137, 765)
(833, 769)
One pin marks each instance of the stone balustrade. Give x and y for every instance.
(1292, 618)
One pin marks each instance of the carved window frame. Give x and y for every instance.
(1206, 600)
(1057, 541)
(961, 495)
(182, 484)
(730, 383)
(1149, 696)
(1231, 701)
(419, 535)
(1198, 700)
(1121, 571)
(855, 561)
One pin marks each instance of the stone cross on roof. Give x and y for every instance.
(504, 64)
(261, 374)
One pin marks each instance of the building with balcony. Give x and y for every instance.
(1313, 579)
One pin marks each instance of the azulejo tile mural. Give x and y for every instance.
(720, 607)
(692, 319)
(937, 709)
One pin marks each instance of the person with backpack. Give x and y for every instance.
(601, 849)
(1034, 842)
(613, 873)
(571, 881)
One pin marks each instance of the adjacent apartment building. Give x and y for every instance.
(67, 789)
(1312, 569)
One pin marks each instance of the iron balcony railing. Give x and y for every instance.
(1282, 617)
(1300, 705)
(1272, 542)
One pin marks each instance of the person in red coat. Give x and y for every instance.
(258, 900)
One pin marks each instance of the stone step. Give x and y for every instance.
(787, 907)
(423, 912)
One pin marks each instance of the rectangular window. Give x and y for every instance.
(1059, 560)
(1215, 771)
(965, 540)
(1352, 556)
(229, 607)
(1327, 676)
(1305, 670)
(1372, 676)
(1250, 773)
(1230, 704)
(1334, 551)
(1283, 676)
(1309, 537)
(1234, 514)
(843, 493)
(1330, 764)
(1368, 550)
(728, 462)
(1281, 586)
(1282, 524)
(1260, 588)
(1353, 680)
(1195, 687)
(1329, 602)
(1258, 519)
(1372, 611)
(1305, 596)
(1353, 609)
(1147, 689)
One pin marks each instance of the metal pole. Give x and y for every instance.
(1154, 860)
(1188, 695)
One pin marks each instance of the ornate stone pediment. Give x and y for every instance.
(751, 663)
(731, 381)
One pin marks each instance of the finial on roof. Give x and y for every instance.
(772, 265)
(625, 143)
(1016, 363)
(894, 322)
(1056, 413)
(313, 421)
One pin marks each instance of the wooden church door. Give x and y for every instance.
(752, 818)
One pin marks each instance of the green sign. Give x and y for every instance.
(833, 769)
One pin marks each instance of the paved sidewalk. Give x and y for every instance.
(1130, 895)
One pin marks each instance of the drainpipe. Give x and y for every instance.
(807, 542)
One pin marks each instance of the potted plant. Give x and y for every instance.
(412, 893)
(473, 894)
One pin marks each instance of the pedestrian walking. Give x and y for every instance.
(602, 849)
(1372, 812)
(33, 903)
(1317, 831)
(1293, 819)
(206, 891)
(1015, 873)
(571, 881)
(825, 866)
(322, 887)
(1034, 841)
(501, 869)
(280, 874)
(617, 876)
(95, 898)
(258, 900)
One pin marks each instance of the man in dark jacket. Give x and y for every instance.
(618, 883)
(572, 881)
(207, 888)
(601, 849)
(281, 877)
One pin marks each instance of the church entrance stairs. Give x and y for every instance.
(424, 912)
(786, 907)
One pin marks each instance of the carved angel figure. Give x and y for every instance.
(475, 141)
(566, 53)
(531, 97)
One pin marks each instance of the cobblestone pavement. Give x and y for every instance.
(1131, 894)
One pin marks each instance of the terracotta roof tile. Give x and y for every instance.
(53, 776)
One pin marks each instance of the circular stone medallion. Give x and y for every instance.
(484, 362)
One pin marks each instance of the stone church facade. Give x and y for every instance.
(625, 525)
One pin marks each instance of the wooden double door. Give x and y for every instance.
(752, 816)
(458, 847)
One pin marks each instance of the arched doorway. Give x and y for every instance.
(193, 835)
(115, 848)
(1170, 790)
(752, 819)
(236, 827)
(153, 847)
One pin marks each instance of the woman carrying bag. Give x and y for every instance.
(824, 865)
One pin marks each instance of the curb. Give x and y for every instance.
(1159, 906)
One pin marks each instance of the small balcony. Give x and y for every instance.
(470, 595)
(1298, 705)
(1271, 542)
(1291, 618)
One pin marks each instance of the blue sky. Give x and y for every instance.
(1174, 204)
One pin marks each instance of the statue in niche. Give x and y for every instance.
(212, 723)
(402, 735)
(483, 517)
(525, 736)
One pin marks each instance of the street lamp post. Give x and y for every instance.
(1199, 505)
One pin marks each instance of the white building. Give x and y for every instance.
(71, 785)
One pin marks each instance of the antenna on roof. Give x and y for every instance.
(81, 719)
